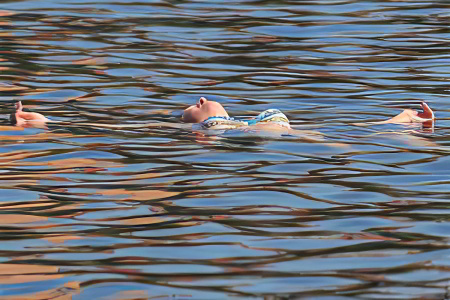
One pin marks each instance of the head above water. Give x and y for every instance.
(203, 110)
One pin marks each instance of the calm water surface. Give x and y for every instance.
(122, 201)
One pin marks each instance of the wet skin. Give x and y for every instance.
(27, 119)
(202, 110)
(426, 117)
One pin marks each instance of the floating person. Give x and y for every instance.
(212, 115)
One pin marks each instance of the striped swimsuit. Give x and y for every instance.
(272, 116)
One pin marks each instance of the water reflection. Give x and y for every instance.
(122, 201)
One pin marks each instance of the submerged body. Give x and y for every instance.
(212, 115)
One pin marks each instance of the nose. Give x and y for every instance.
(201, 101)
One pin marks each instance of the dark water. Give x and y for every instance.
(124, 202)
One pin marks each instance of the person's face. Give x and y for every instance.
(203, 110)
